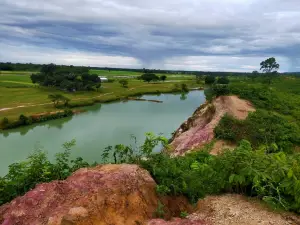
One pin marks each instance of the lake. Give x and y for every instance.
(100, 126)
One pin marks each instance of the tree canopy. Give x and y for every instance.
(269, 65)
(147, 77)
(210, 79)
(66, 79)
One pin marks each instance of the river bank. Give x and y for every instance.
(78, 103)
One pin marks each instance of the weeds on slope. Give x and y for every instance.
(273, 177)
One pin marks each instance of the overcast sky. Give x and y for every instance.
(209, 35)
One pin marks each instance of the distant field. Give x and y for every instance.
(129, 73)
(114, 73)
(18, 90)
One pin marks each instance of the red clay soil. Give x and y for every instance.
(109, 194)
(198, 130)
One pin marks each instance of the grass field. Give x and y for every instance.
(18, 93)
(114, 74)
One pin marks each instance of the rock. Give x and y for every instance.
(109, 194)
(198, 130)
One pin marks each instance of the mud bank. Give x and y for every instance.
(198, 130)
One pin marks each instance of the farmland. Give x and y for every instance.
(23, 97)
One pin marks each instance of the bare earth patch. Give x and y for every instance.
(221, 146)
(198, 130)
(231, 209)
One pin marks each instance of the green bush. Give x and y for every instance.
(24, 120)
(111, 80)
(184, 88)
(223, 80)
(260, 128)
(210, 79)
(23, 176)
(220, 89)
(5, 121)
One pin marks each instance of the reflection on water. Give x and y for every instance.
(100, 126)
(183, 96)
(48, 124)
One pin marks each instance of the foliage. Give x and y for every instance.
(24, 120)
(261, 128)
(184, 88)
(210, 79)
(184, 214)
(220, 89)
(223, 80)
(124, 82)
(162, 190)
(163, 77)
(272, 177)
(269, 65)
(67, 79)
(57, 98)
(147, 77)
(160, 212)
(23, 176)
(5, 121)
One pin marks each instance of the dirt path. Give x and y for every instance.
(231, 209)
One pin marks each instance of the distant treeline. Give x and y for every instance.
(7, 66)
(38, 67)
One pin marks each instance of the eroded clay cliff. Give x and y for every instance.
(198, 130)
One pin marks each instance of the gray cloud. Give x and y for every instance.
(153, 33)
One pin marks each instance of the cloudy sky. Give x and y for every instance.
(208, 35)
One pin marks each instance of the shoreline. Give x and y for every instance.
(78, 108)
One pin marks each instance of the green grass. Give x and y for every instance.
(112, 74)
(17, 72)
(18, 90)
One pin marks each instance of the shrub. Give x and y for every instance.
(124, 82)
(220, 89)
(223, 80)
(260, 128)
(210, 79)
(184, 88)
(5, 121)
(111, 80)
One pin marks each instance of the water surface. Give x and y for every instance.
(101, 126)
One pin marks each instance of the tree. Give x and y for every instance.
(98, 86)
(56, 98)
(223, 80)
(147, 77)
(124, 83)
(163, 77)
(269, 67)
(184, 88)
(210, 79)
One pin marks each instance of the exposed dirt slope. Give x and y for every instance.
(104, 195)
(110, 194)
(231, 210)
(198, 129)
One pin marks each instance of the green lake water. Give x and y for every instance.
(100, 126)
